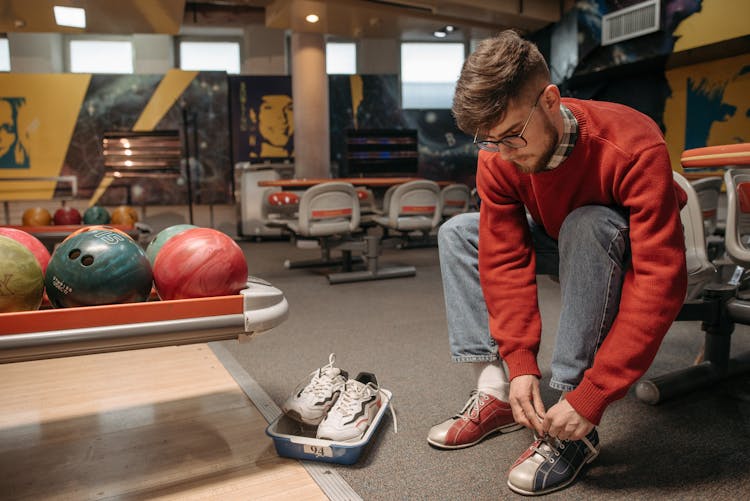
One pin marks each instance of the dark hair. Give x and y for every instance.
(502, 68)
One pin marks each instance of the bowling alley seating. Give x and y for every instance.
(328, 214)
(367, 206)
(455, 199)
(708, 190)
(718, 306)
(409, 208)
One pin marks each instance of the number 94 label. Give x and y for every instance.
(319, 451)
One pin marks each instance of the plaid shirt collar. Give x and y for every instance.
(568, 141)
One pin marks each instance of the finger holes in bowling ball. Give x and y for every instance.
(73, 255)
(87, 260)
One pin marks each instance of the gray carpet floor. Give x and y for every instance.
(693, 447)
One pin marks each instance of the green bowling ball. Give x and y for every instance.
(161, 238)
(21, 279)
(98, 267)
(96, 215)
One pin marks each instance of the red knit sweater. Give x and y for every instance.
(620, 158)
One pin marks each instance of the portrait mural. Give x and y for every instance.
(13, 152)
(262, 115)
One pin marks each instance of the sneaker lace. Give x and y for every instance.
(353, 394)
(322, 379)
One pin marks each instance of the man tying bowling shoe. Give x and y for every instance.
(578, 189)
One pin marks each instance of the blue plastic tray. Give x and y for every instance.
(294, 440)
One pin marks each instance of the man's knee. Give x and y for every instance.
(592, 223)
(459, 227)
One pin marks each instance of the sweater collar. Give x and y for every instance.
(568, 141)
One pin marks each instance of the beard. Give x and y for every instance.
(539, 163)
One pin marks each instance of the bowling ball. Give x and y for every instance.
(98, 267)
(124, 214)
(199, 262)
(67, 215)
(96, 215)
(21, 278)
(36, 216)
(94, 227)
(158, 242)
(30, 242)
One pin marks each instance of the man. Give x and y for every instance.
(579, 189)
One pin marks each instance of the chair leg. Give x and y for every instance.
(370, 247)
(717, 317)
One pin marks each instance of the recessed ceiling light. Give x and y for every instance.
(70, 16)
(439, 34)
(312, 18)
(449, 29)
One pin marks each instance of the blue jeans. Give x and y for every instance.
(590, 257)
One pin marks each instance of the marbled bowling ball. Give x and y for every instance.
(200, 262)
(30, 242)
(96, 215)
(124, 215)
(21, 279)
(98, 267)
(96, 227)
(36, 216)
(161, 238)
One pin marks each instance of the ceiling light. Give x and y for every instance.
(440, 34)
(70, 16)
(449, 29)
(312, 18)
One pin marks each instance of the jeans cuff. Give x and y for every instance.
(474, 358)
(556, 385)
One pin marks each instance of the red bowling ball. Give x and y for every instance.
(67, 215)
(200, 262)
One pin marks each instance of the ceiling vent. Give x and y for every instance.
(630, 22)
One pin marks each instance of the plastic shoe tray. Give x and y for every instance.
(294, 440)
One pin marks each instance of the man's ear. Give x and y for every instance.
(551, 97)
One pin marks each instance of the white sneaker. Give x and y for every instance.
(313, 397)
(354, 411)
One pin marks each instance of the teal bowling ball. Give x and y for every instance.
(96, 215)
(98, 267)
(161, 238)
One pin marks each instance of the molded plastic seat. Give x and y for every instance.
(700, 269)
(412, 206)
(328, 212)
(455, 199)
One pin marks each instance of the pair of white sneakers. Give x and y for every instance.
(342, 408)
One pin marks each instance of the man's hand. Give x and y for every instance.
(563, 422)
(526, 402)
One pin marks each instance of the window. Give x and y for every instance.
(210, 56)
(428, 74)
(341, 58)
(4, 55)
(101, 56)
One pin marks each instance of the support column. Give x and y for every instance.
(312, 148)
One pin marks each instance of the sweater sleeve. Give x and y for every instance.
(653, 289)
(507, 274)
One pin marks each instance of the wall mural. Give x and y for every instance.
(262, 118)
(374, 102)
(53, 125)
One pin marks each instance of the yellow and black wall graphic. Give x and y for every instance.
(52, 125)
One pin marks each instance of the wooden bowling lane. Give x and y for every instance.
(160, 423)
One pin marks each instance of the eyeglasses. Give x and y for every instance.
(514, 141)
